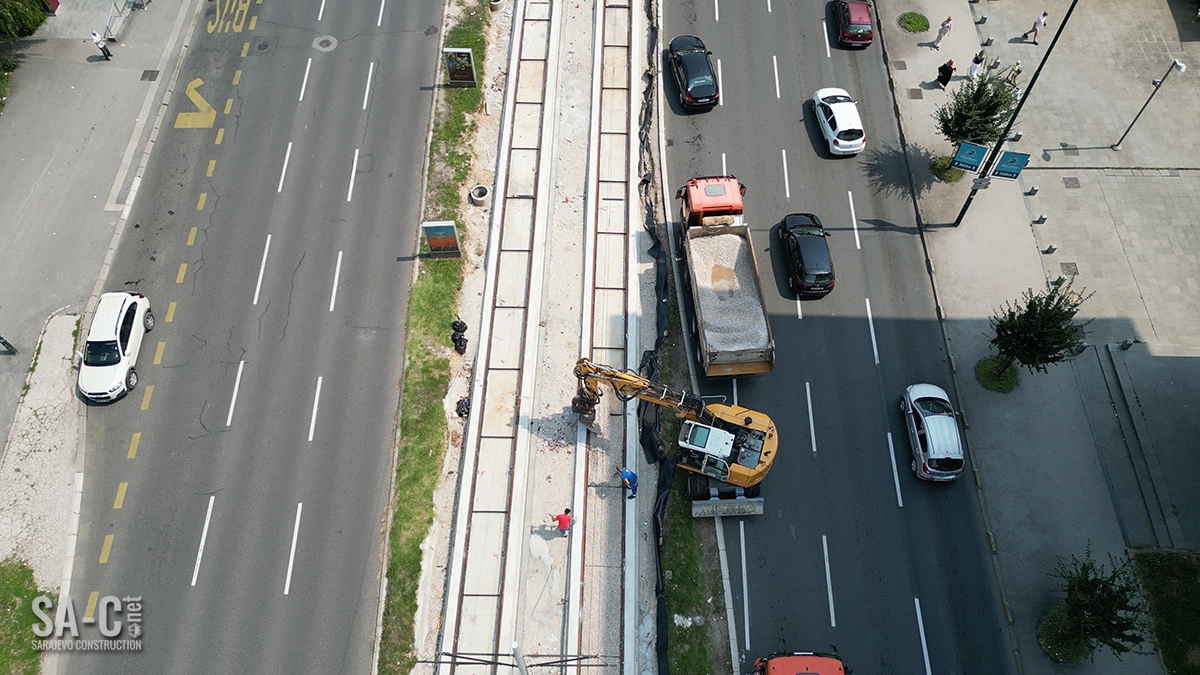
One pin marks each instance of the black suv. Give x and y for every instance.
(694, 74)
(810, 268)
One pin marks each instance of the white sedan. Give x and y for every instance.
(837, 114)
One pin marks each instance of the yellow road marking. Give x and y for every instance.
(182, 271)
(220, 135)
(171, 310)
(212, 164)
(237, 76)
(203, 198)
(196, 120)
(137, 438)
(192, 234)
(159, 352)
(91, 605)
(253, 22)
(120, 495)
(245, 49)
(146, 397)
(104, 552)
(228, 105)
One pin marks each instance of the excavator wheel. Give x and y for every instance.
(697, 487)
(754, 491)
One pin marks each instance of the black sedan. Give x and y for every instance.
(693, 71)
(806, 253)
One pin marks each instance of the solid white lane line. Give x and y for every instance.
(825, 32)
(799, 311)
(287, 157)
(895, 474)
(854, 220)
(775, 65)
(353, 172)
(367, 91)
(921, 627)
(720, 83)
(379, 21)
(745, 592)
(724, 171)
(237, 383)
(828, 582)
(337, 272)
(871, 325)
(812, 429)
(262, 267)
(787, 184)
(768, 6)
(287, 585)
(312, 424)
(304, 84)
(717, 9)
(321, 13)
(203, 538)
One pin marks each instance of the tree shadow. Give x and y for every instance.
(892, 173)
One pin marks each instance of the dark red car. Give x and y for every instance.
(853, 23)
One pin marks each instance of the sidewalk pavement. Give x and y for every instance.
(1097, 449)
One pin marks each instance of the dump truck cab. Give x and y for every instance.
(795, 663)
(712, 197)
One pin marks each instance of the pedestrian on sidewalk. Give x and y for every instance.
(943, 32)
(630, 479)
(977, 65)
(564, 521)
(945, 71)
(1038, 24)
(102, 45)
(1013, 72)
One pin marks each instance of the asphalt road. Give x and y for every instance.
(266, 411)
(853, 550)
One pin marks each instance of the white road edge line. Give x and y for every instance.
(720, 83)
(787, 184)
(337, 273)
(287, 157)
(312, 423)
(745, 587)
(379, 21)
(895, 474)
(287, 585)
(828, 581)
(353, 172)
(321, 13)
(262, 267)
(854, 220)
(812, 429)
(237, 383)
(921, 627)
(871, 325)
(304, 84)
(825, 32)
(367, 91)
(203, 538)
(775, 65)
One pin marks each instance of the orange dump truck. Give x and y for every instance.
(795, 663)
(721, 271)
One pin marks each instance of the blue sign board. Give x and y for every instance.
(969, 157)
(1010, 164)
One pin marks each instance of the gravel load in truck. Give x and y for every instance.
(726, 287)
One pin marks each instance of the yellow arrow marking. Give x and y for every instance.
(196, 120)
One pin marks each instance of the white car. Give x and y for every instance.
(837, 115)
(933, 432)
(106, 369)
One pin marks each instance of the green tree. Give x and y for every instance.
(1038, 330)
(977, 111)
(20, 18)
(1102, 608)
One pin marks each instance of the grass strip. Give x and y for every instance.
(17, 591)
(985, 373)
(689, 595)
(1171, 583)
(432, 307)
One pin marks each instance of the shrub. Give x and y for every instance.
(940, 166)
(20, 18)
(914, 22)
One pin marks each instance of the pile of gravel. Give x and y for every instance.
(725, 280)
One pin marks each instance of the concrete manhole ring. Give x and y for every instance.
(325, 43)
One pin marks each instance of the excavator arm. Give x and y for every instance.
(628, 385)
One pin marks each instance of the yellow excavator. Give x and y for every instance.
(729, 448)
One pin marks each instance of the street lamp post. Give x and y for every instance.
(1177, 65)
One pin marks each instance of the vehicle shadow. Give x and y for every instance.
(888, 170)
